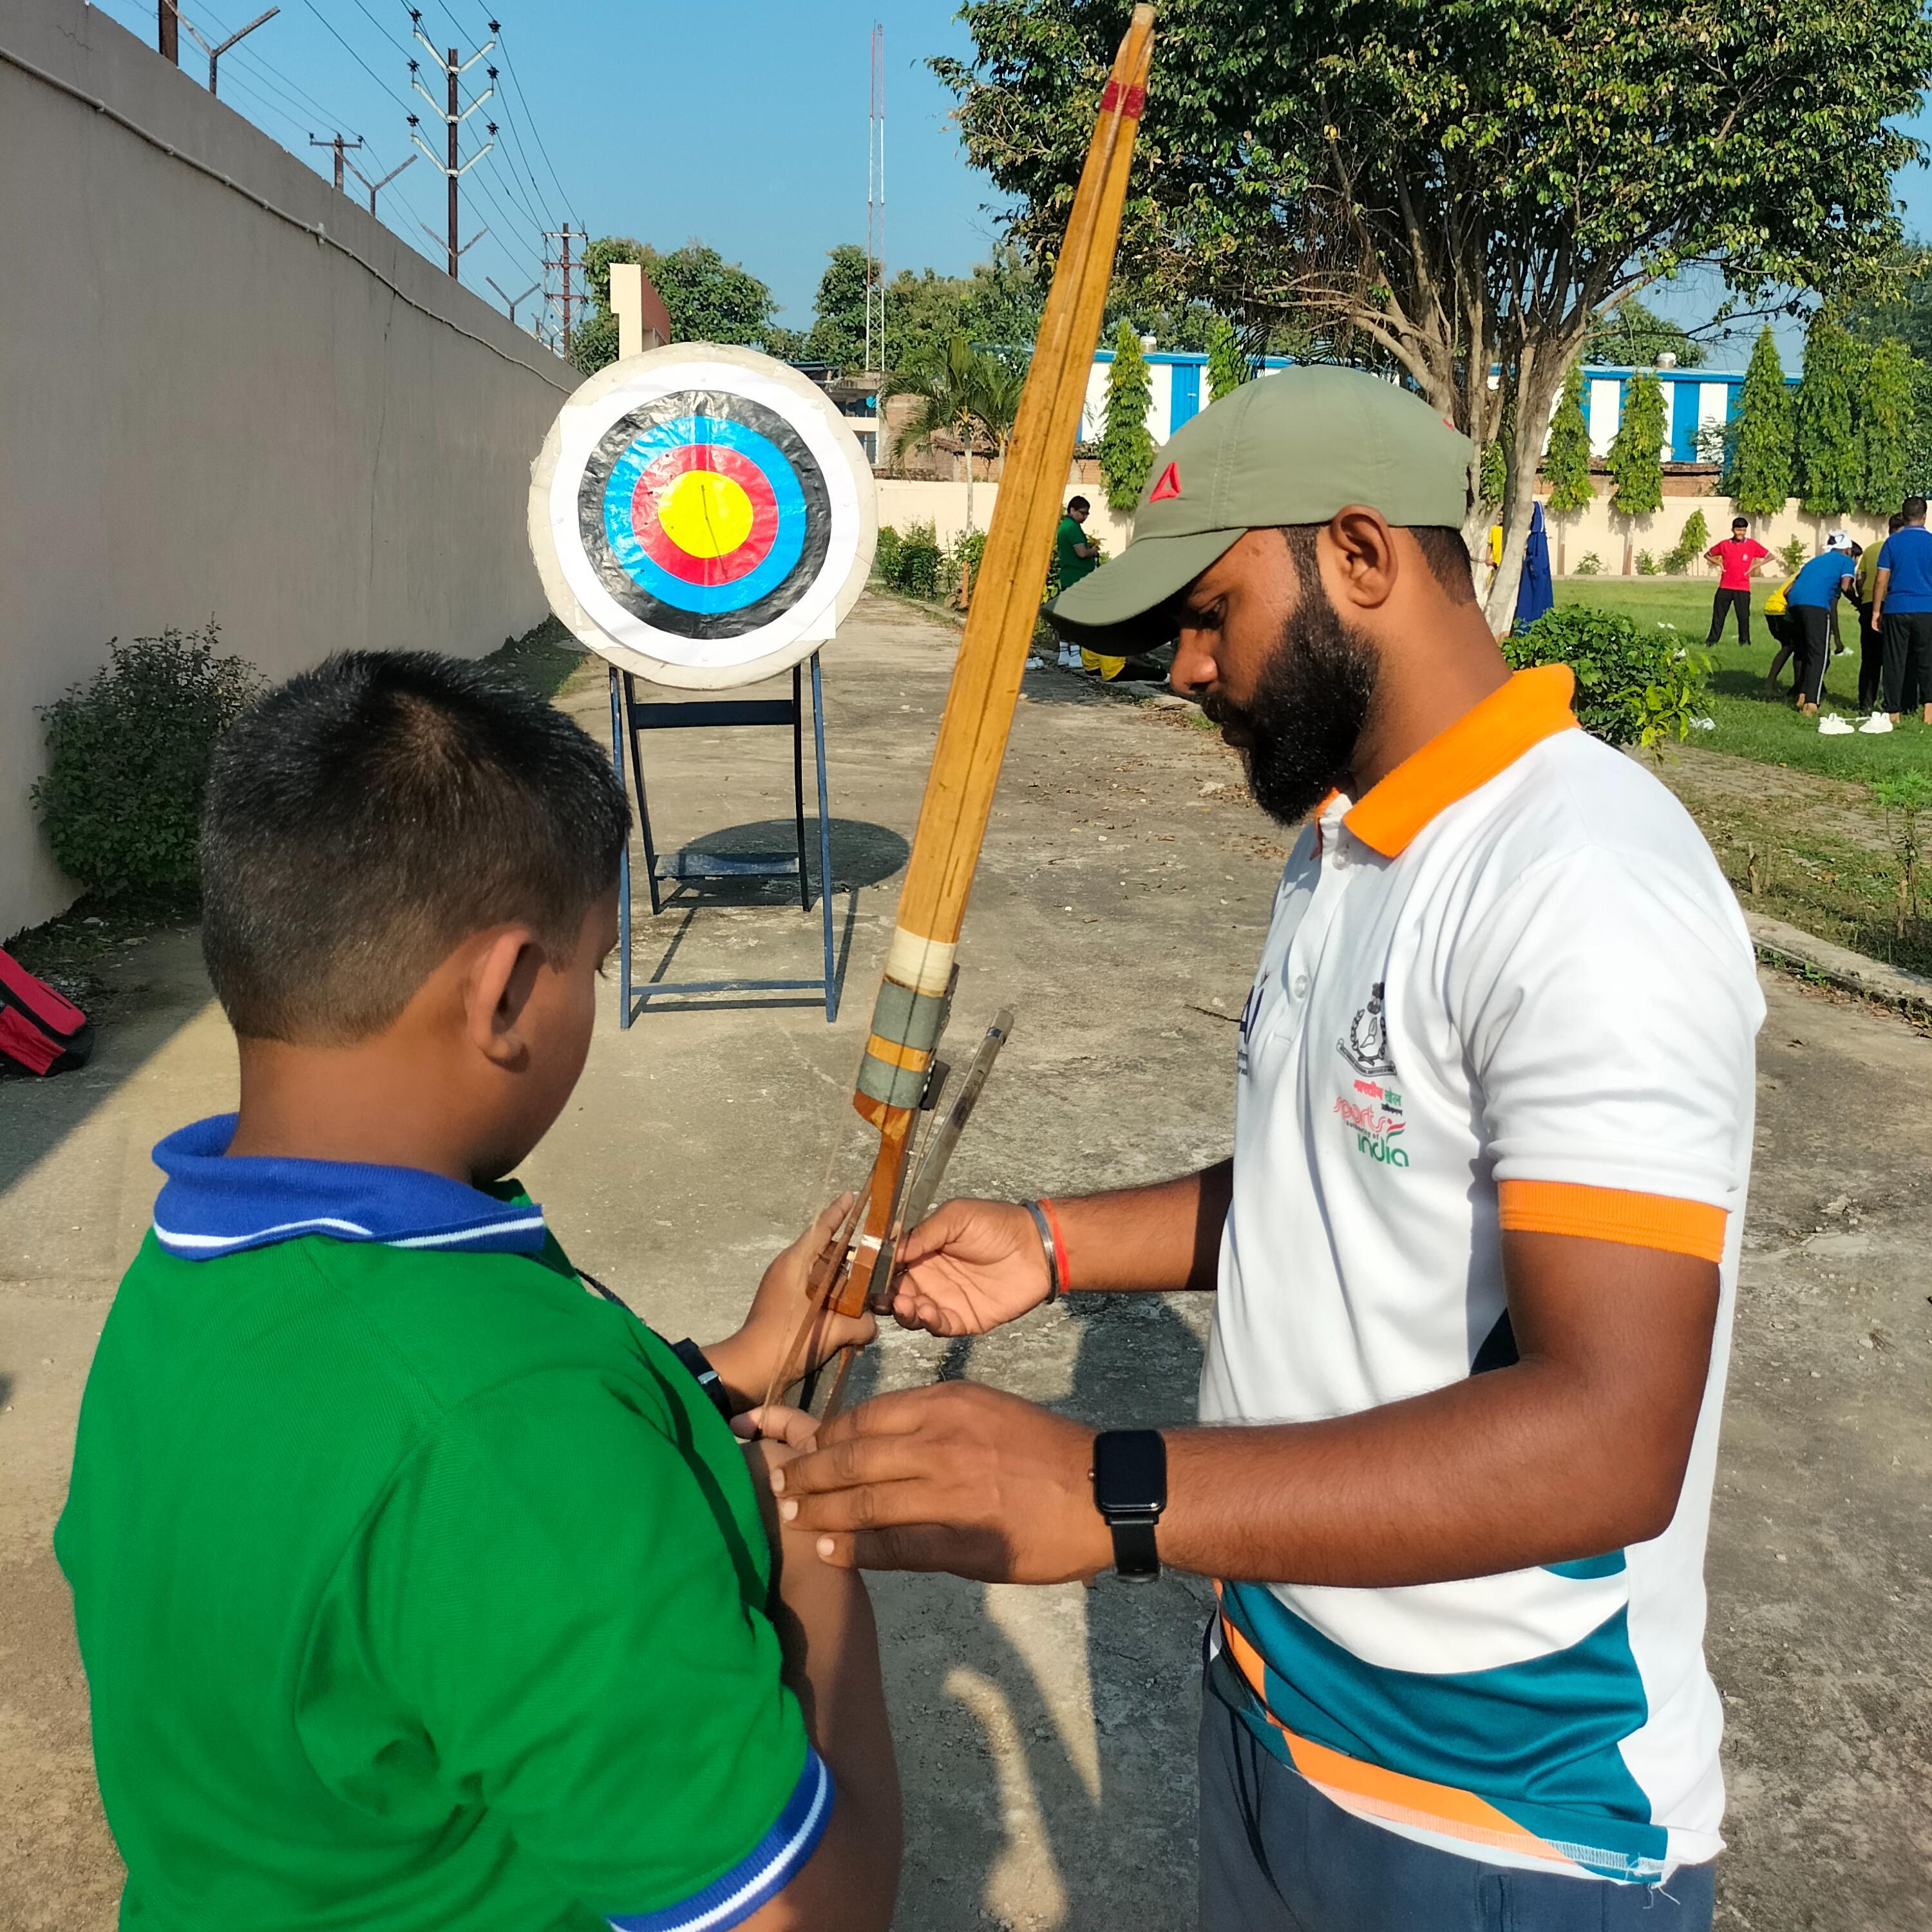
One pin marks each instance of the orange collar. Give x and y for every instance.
(1533, 706)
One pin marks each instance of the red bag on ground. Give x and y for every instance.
(40, 1031)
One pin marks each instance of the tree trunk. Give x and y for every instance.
(1541, 368)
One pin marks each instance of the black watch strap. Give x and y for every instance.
(1136, 1552)
(695, 1359)
(1130, 1491)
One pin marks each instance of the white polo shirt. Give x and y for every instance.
(1509, 988)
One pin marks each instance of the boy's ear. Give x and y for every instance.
(497, 990)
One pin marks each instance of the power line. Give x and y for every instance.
(357, 58)
(516, 81)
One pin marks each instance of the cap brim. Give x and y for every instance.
(1120, 608)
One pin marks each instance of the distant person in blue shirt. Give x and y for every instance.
(1813, 593)
(1902, 615)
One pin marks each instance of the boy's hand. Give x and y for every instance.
(747, 1361)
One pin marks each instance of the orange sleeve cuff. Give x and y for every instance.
(1612, 1214)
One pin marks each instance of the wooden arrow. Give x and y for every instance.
(912, 997)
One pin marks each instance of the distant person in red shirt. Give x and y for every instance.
(1736, 558)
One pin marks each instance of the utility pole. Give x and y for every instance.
(453, 115)
(341, 147)
(875, 209)
(376, 187)
(564, 300)
(510, 301)
(170, 32)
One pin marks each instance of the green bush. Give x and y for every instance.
(1691, 545)
(917, 567)
(1588, 564)
(127, 759)
(885, 558)
(961, 556)
(1634, 687)
(1794, 555)
(1646, 564)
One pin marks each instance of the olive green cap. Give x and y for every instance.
(1293, 448)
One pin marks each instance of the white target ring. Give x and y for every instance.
(701, 515)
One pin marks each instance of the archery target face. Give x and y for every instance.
(705, 516)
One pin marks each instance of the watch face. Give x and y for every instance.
(1129, 1470)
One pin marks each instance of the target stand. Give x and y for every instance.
(702, 516)
(629, 720)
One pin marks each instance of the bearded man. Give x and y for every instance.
(1474, 1257)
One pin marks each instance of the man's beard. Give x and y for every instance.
(1310, 706)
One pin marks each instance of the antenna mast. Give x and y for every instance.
(875, 210)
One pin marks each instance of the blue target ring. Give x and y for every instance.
(620, 493)
(740, 589)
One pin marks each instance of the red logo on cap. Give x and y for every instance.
(1169, 484)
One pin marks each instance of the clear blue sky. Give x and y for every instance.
(741, 122)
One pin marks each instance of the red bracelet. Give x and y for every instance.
(1059, 1242)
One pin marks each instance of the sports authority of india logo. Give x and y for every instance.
(703, 514)
(1373, 1111)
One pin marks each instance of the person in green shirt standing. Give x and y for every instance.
(418, 1585)
(1074, 557)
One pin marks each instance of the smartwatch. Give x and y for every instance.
(698, 1365)
(1130, 1491)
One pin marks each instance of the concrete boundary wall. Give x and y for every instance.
(1597, 528)
(242, 397)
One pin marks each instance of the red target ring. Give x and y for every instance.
(655, 484)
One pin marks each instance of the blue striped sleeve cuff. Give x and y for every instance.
(771, 1864)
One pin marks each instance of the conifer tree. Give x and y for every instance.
(1825, 437)
(1761, 461)
(1227, 361)
(1127, 448)
(1566, 460)
(1887, 405)
(1636, 458)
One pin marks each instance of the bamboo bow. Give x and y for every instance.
(916, 991)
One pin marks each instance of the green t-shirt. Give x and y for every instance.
(421, 1590)
(1071, 568)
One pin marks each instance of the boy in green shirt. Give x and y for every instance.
(417, 1586)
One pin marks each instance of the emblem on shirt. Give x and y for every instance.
(1250, 1013)
(1373, 1114)
(1366, 1048)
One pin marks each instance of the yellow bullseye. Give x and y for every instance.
(705, 514)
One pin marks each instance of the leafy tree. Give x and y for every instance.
(1566, 458)
(708, 298)
(1825, 430)
(960, 391)
(1228, 367)
(1494, 481)
(1888, 404)
(839, 311)
(1636, 457)
(1761, 457)
(1461, 187)
(1127, 447)
(1636, 336)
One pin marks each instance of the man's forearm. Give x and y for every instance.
(1146, 1239)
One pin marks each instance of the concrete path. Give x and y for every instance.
(1046, 1737)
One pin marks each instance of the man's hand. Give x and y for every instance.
(955, 1476)
(747, 1361)
(968, 1268)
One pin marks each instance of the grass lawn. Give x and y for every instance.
(1750, 722)
(1787, 812)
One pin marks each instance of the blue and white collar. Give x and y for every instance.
(213, 1206)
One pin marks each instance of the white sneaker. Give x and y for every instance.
(1876, 725)
(1069, 657)
(1835, 727)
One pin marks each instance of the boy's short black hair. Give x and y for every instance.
(1078, 503)
(1740, 522)
(365, 817)
(1913, 509)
